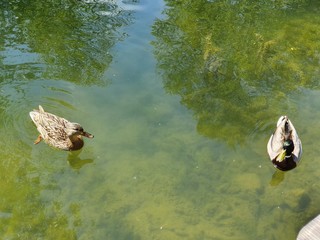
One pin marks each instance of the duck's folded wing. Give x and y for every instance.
(275, 143)
(296, 141)
(297, 152)
(274, 147)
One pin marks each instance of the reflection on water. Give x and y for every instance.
(72, 38)
(277, 178)
(244, 65)
(189, 165)
(76, 162)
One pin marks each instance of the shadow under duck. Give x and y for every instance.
(284, 146)
(57, 131)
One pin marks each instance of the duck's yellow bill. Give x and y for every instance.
(281, 156)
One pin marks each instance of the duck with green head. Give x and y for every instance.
(284, 146)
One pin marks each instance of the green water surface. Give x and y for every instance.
(181, 97)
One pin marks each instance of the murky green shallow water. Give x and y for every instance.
(181, 97)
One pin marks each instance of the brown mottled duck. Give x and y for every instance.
(57, 131)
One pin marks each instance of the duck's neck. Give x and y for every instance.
(77, 142)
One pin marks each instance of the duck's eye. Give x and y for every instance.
(286, 144)
(79, 129)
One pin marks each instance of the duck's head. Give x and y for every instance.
(287, 150)
(288, 146)
(75, 129)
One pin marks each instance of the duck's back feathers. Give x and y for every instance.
(49, 125)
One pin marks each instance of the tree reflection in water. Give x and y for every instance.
(233, 65)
